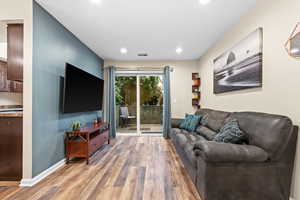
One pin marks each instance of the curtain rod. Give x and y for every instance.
(142, 69)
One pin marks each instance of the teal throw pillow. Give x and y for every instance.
(185, 123)
(190, 122)
(194, 122)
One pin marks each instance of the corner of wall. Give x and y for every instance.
(27, 93)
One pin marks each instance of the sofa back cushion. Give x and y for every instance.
(213, 119)
(269, 132)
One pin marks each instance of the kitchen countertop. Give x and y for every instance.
(11, 111)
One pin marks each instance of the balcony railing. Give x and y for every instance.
(149, 114)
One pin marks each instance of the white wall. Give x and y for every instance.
(280, 93)
(181, 81)
(22, 10)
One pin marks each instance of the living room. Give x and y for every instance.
(224, 63)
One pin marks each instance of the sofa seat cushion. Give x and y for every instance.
(187, 138)
(206, 132)
(185, 135)
(175, 131)
(175, 122)
(224, 152)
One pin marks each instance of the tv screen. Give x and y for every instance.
(82, 91)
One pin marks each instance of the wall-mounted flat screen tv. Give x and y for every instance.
(83, 92)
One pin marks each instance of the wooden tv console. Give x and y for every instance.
(85, 142)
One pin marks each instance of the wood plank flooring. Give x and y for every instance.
(138, 168)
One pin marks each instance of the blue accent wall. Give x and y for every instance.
(53, 46)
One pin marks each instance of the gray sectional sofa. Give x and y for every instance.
(259, 170)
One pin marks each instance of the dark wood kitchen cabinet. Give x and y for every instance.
(15, 52)
(8, 85)
(10, 148)
(15, 86)
(4, 83)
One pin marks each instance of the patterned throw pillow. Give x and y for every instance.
(185, 123)
(230, 133)
(190, 122)
(194, 122)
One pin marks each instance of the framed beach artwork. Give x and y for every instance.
(240, 67)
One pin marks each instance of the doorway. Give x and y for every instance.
(139, 104)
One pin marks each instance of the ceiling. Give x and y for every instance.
(155, 27)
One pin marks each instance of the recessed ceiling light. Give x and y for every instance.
(123, 50)
(204, 2)
(95, 1)
(179, 50)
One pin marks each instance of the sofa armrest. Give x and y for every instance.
(176, 122)
(224, 152)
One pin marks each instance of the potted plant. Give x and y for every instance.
(76, 126)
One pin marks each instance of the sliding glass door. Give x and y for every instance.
(151, 104)
(126, 104)
(139, 103)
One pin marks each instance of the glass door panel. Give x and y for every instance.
(126, 104)
(151, 104)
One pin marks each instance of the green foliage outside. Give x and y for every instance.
(151, 90)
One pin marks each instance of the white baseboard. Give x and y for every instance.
(32, 181)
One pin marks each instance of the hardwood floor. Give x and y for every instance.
(130, 168)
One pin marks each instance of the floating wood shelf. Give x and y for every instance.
(196, 90)
(196, 82)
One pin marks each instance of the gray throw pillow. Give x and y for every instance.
(231, 133)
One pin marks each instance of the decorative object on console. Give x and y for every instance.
(196, 90)
(95, 122)
(241, 66)
(292, 45)
(76, 126)
(99, 119)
